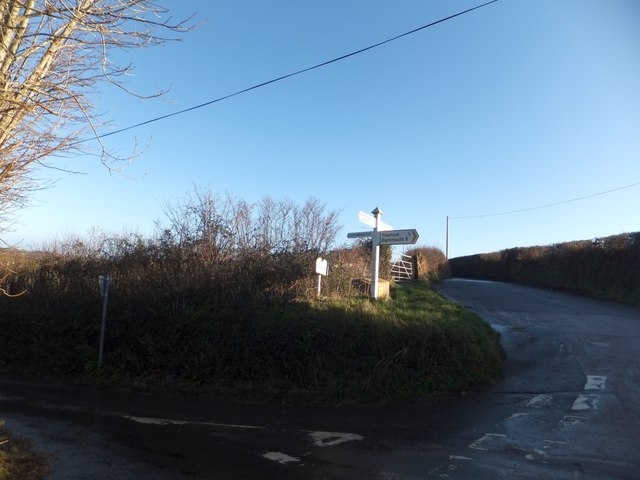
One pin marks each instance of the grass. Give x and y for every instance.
(415, 345)
(18, 460)
(346, 349)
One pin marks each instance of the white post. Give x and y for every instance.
(319, 284)
(375, 255)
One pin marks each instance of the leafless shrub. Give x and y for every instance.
(53, 56)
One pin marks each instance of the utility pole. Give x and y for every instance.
(104, 281)
(447, 240)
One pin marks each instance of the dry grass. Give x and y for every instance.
(18, 460)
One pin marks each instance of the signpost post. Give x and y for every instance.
(375, 255)
(382, 234)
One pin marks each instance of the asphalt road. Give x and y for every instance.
(568, 407)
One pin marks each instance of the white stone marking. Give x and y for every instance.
(280, 457)
(328, 439)
(595, 382)
(586, 402)
(165, 421)
(540, 401)
(478, 444)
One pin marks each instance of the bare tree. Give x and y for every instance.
(53, 55)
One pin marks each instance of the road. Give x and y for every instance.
(568, 407)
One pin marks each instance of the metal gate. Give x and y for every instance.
(402, 269)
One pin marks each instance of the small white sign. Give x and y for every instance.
(322, 267)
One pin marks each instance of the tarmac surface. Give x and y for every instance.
(568, 407)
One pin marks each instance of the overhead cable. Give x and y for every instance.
(510, 212)
(283, 77)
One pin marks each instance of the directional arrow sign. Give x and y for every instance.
(399, 237)
(359, 234)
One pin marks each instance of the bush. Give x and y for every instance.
(432, 263)
(214, 302)
(605, 267)
(171, 324)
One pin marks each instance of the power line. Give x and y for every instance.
(283, 77)
(510, 212)
(430, 234)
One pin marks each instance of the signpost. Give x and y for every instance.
(322, 269)
(382, 234)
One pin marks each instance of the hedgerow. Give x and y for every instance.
(604, 267)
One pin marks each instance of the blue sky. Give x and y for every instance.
(518, 104)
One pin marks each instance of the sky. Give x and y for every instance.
(514, 106)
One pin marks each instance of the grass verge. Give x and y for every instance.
(18, 460)
(415, 345)
(350, 349)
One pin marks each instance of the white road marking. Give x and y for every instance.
(327, 439)
(459, 457)
(595, 382)
(166, 421)
(552, 444)
(540, 401)
(516, 415)
(479, 444)
(571, 420)
(586, 402)
(280, 457)
(447, 468)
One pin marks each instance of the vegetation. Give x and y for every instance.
(53, 56)
(216, 301)
(605, 267)
(18, 460)
(414, 345)
(431, 262)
